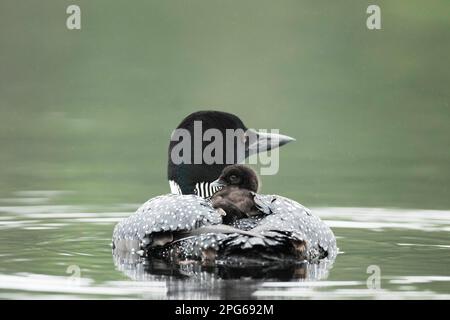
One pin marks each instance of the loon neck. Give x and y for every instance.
(202, 189)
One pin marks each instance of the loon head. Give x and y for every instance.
(239, 176)
(190, 171)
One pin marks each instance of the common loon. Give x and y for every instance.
(185, 225)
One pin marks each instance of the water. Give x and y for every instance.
(85, 118)
(45, 246)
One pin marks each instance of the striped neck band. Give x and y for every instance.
(202, 189)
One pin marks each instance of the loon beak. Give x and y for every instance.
(263, 141)
(217, 183)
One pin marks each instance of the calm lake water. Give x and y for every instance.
(44, 247)
(86, 116)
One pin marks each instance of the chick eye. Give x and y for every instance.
(233, 178)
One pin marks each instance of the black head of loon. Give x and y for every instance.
(195, 177)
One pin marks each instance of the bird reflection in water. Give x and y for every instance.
(197, 280)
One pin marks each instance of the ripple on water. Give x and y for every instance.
(64, 234)
(29, 282)
(335, 217)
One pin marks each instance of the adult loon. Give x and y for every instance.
(184, 225)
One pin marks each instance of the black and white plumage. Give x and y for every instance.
(201, 189)
(283, 214)
(162, 214)
(185, 226)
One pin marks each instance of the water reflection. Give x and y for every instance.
(144, 269)
(194, 280)
(86, 287)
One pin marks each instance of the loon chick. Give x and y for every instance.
(239, 184)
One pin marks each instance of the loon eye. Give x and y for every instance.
(233, 178)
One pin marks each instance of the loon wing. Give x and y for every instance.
(263, 202)
(289, 216)
(163, 215)
(218, 228)
(286, 230)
